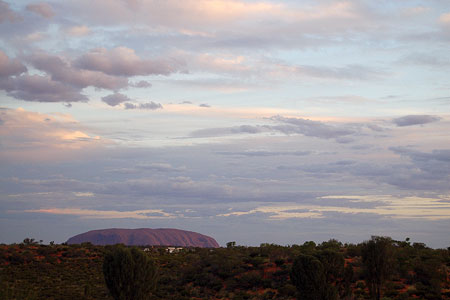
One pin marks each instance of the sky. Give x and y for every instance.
(249, 121)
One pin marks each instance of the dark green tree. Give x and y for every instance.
(129, 273)
(308, 276)
(333, 266)
(429, 274)
(377, 257)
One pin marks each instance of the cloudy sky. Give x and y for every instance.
(249, 121)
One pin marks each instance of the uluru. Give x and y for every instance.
(144, 237)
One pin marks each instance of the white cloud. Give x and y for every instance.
(385, 206)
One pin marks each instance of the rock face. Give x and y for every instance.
(145, 236)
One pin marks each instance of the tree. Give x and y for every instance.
(28, 241)
(333, 267)
(333, 264)
(231, 244)
(129, 273)
(308, 276)
(377, 259)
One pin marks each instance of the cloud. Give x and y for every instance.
(143, 214)
(115, 99)
(348, 72)
(36, 87)
(445, 18)
(123, 61)
(29, 136)
(10, 67)
(243, 129)
(248, 66)
(41, 89)
(415, 10)
(424, 171)
(142, 84)
(149, 106)
(263, 153)
(83, 194)
(411, 120)
(426, 59)
(43, 9)
(60, 69)
(310, 128)
(6, 14)
(382, 205)
(204, 105)
(81, 30)
(172, 13)
(160, 167)
(288, 126)
(441, 155)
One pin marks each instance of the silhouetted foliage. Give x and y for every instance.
(66, 272)
(308, 275)
(129, 273)
(377, 259)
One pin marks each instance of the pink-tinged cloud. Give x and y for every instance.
(78, 30)
(173, 12)
(6, 14)
(28, 136)
(124, 61)
(43, 9)
(445, 18)
(10, 67)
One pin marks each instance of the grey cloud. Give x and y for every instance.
(123, 61)
(259, 153)
(149, 105)
(375, 127)
(415, 120)
(161, 167)
(425, 171)
(288, 126)
(6, 14)
(357, 72)
(158, 167)
(41, 89)
(115, 99)
(62, 70)
(442, 155)
(10, 67)
(345, 140)
(426, 59)
(211, 132)
(61, 184)
(142, 84)
(63, 83)
(204, 105)
(173, 187)
(310, 128)
(43, 9)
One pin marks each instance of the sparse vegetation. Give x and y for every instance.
(31, 270)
